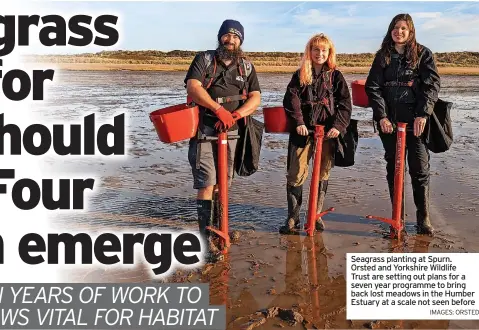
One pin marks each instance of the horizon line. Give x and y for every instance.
(188, 50)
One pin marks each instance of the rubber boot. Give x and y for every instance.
(421, 199)
(323, 188)
(205, 218)
(294, 195)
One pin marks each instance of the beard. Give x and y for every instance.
(226, 54)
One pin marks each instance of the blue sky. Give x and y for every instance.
(355, 27)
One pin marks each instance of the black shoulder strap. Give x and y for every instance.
(247, 67)
(209, 57)
(244, 69)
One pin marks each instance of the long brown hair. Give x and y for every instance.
(412, 48)
(306, 68)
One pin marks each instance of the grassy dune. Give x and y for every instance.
(150, 60)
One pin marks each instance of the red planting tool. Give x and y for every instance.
(222, 231)
(398, 199)
(313, 215)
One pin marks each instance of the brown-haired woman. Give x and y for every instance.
(316, 95)
(403, 86)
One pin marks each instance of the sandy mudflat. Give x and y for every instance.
(265, 270)
(151, 190)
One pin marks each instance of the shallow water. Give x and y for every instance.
(152, 188)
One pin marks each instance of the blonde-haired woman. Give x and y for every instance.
(316, 95)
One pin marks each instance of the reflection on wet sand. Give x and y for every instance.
(267, 281)
(306, 279)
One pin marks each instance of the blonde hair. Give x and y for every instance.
(306, 68)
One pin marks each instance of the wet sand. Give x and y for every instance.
(304, 277)
(267, 270)
(152, 190)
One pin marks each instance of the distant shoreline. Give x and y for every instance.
(452, 63)
(444, 70)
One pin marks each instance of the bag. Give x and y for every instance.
(347, 145)
(438, 130)
(248, 147)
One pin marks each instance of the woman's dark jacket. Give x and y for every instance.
(319, 103)
(401, 93)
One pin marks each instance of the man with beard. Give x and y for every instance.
(225, 87)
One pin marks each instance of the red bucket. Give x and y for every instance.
(360, 98)
(175, 123)
(275, 120)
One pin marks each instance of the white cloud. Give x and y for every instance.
(451, 30)
(353, 26)
(464, 24)
(422, 15)
(296, 8)
(314, 17)
(352, 9)
(463, 7)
